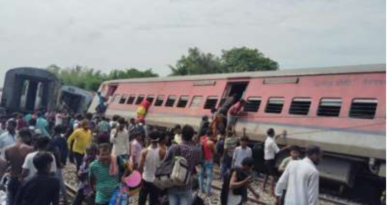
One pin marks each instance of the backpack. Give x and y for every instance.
(172, 172)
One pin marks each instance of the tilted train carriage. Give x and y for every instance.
(341, 109)
(27, 89)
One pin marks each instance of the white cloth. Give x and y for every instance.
(301, 179)
(152, 161)
(59, 120)
(76, 124)
(29, 165)
(120, 141)
(6, 139)
(233, 199)
(177, 138)
(270, 148)
(240, 154)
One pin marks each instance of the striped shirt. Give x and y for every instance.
(103, 126)
(105, 184)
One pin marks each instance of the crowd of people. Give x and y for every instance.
(36, 147)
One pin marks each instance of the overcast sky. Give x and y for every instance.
(109, 34)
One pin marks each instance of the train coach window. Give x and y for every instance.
(182, 101)
(363, 108)
(159, 100)
(139, 99)
(300, 106)
(196, 100)
(150, 98)
(131, 100)
(329, 107)
(211, 102)
(116, 99)
(275, 105)
(123, 99)
(253, 104)
(171, 101)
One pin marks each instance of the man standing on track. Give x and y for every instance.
(120, 140)
(207, 166)
(151, 157)
(270, 151)
(301, 179)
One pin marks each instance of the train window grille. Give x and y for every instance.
(170, 101)
(329, 107)
(300, 106)
(159, 101)
(363, 108)
(116, 99)
(196, 100)
(123, 99)
(211, 102)
(150, 98)
(183, 100)
(275, 105)
(253, 104)
(131, 100)
(139, 99)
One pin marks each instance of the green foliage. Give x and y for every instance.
(246, 59)
(90, 79)
(196, 63)
(233, 60)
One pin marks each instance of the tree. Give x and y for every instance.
(90, 79)
(246, 59)
(196, 62)
(233, 60)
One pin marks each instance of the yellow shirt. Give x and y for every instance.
(82, 139)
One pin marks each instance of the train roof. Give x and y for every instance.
(372, 68)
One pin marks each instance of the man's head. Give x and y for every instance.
(205, 118)
(42, 162)
(154, 136)
(58, 129)
(104, 153)
(88, 116)
(247, 164)
(25, 136)
(209, 133)
(42, 143)
(271, 132)
(84, 124)
(11, 126)
(115, 118)
(122, 123)
(79, 117)
(92, 151)
(244, 141)
(314, 153)
(294, 151)
(132, 121)
(177, 129)
(187, 133)
(32, 122)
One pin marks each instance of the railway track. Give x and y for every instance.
(71, 191)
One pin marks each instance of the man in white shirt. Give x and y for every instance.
(301, 179)
(270, 151)
(241, 152)
(120, 140)
(9, 137)
(29, 169)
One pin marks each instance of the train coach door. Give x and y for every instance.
(237, 88)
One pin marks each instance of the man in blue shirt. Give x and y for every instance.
(42, 125)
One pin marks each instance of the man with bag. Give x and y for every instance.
(182, 195)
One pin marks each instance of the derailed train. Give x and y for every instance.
(28, 89)
(341, 109)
